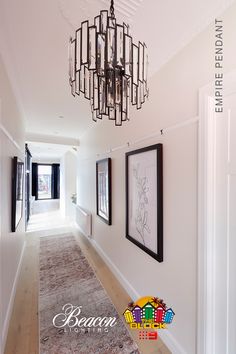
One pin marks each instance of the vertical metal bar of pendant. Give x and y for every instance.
(109, 66)
(140, 62)
(92, 48)
(110, 48)
(145, 70)
(128, 55)
(120, 46)
(110, 88)
(86, 83)
(118, 87)
(73, 88)
(124, 98)
(91, 84)
(145, 62)
(126, 28)
(128, 99)
(101, 38)
(123, 116)
(124, 94)
(99, 116)
(84, 42)
(82, 79)
(77, 83)
(97, 23)
(94, 115)
(104, 20)
(135, 64)
(70, 60)
(102, 95)
(134, 95)
(95, 91)
(73, 60)
(118, 115)
(142, 92)
(78, 49)
(112, 113)
(107, 112)
(138, 97)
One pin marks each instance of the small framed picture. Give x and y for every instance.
(144, 199)
(103, 192)
(17, 192)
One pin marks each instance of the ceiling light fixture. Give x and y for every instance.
(108, 68)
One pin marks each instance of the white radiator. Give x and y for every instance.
(84, 221)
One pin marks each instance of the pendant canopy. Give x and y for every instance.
(108, 68)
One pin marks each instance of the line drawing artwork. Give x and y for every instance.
(103, 200)
(141, 212)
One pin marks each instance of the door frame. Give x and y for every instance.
(206, 329)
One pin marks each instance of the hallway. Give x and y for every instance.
(23, 335)
(46, 214)
(118, 176)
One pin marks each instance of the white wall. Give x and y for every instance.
(173, 99)
(11, 244)
(68, 171)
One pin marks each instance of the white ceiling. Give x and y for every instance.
(34, 38)
(42, 152)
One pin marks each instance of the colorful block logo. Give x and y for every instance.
(148, 313)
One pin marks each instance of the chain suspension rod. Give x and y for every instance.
(112, 9)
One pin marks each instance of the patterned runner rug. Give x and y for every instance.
(72, 296)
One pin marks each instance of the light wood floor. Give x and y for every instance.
(23, 331)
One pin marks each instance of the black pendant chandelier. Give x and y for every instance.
(108, 68)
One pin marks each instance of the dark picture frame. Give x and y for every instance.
(17, 192)
(144, 199)
(103, 190)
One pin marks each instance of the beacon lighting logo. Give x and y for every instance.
(71, 319)
(148, 314)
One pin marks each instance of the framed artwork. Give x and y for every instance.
(17, 192)
(144, 199)
(103, 186)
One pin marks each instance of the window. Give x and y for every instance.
(44, 181)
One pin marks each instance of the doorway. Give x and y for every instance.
(28, 158)
(45, 181)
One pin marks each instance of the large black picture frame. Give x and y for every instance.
(144, 199)
(17, 192)
(103, 190)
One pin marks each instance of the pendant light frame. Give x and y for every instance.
(108, 68)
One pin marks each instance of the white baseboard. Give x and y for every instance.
(165, 335)
(11, 301)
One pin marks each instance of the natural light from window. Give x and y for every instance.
(44, 181)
